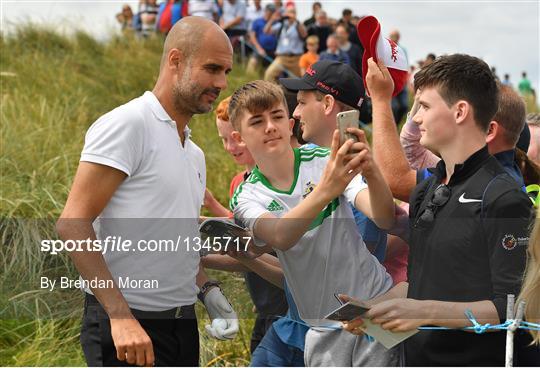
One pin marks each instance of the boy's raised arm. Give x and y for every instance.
(283, 233)
(387, 150)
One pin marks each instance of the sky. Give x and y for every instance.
(505, 34)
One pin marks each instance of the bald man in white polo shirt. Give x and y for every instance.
(141, 179)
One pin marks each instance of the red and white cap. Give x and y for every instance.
(379, 47)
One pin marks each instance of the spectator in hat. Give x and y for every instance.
(290, 34)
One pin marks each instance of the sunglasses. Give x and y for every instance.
(440, 197)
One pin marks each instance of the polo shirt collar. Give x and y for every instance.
(160, 113)
(466, 169)
(158, 110)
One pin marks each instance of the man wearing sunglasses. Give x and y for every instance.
(468, 220)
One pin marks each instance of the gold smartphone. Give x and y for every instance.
(347, 119)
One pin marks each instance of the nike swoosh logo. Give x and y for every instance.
(462, 199)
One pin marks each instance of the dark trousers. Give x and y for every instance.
(175, 340)
(262, 324)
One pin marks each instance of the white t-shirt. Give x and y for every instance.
(160, 199)
(331, 257)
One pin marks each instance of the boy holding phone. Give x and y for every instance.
(296, 202)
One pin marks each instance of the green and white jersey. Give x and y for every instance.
(331, 257)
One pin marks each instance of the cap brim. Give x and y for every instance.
(296, 84)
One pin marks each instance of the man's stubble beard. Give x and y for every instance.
(187, 96)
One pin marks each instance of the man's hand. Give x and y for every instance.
(275, 17)
(224, 320)
(132, 343)
(212, 204)
(340, 169)
(355, 326)
(261, 51)
(379, 82)
(401, 227)
(399, 315)
(361, 153)
(242, 255)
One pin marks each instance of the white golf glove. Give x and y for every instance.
(224, 320)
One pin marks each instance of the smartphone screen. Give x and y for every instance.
(348, 312)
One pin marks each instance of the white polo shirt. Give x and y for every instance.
(159, 200)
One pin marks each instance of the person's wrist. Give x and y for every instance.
(120, 314)
(372, 173)
(205, 289)
(119, 310)
(429, 308)
(322, 192)
(381, 99)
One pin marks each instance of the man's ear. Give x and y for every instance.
(174, 59)
(493, 130)
(328, 102)
(463, 110)
(291, 125)
(235, 134)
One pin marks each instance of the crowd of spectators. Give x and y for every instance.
(277, 41)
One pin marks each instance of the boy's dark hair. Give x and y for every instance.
(511, 113)
(346, 12)
(255, 97)
(463, 77)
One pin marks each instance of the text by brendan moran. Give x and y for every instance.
(122, 282)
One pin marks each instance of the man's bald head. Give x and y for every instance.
(188, 35)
